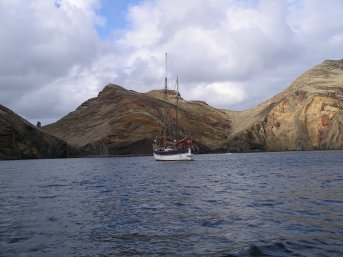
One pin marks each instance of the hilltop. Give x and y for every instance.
(120, 121)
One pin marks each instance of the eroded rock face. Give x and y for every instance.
(306, 116)
(21, 140)
(121, 121)
(314, 123)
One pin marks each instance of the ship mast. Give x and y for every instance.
(177, 109)
(165, 102)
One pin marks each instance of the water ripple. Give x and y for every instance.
(261, 204)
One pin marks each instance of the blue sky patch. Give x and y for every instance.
(114, 11)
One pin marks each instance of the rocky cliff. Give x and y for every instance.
(19, 139)
(121, 121)
(308, 115)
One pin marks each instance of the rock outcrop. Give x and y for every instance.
(120, 122)
(19, 139)
(308, 115)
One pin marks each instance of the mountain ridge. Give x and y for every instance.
(122, 114)
(307, 115)
(287, 121)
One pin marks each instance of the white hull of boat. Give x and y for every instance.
(175, 157)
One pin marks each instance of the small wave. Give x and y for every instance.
(211, 223)
(48, 197)
(52, 219)
(106, 191)
(55, 185)
(17, 239)
(273, 249)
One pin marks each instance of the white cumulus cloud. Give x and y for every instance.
(231, 54)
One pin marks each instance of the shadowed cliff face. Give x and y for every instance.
(308, 115)
(21, 140)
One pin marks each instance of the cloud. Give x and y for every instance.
(258, 47)
(223, 93)
(232, 54)
(216, 41)
(40, 43)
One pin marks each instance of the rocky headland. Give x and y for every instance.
(19, 139)
(308, 115)
(121, 121)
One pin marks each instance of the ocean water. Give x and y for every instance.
(257, 204)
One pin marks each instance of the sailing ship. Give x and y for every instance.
(170, 145)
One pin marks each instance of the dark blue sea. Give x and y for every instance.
(256, 204)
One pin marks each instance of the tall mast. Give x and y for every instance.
(177, 109)
(166, 77)
(165, 99)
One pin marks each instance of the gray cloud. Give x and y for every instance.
(39, 45)
(236, 54)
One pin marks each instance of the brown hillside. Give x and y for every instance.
(308, 115)
(120, 121)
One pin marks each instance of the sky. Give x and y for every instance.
(233, 54)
